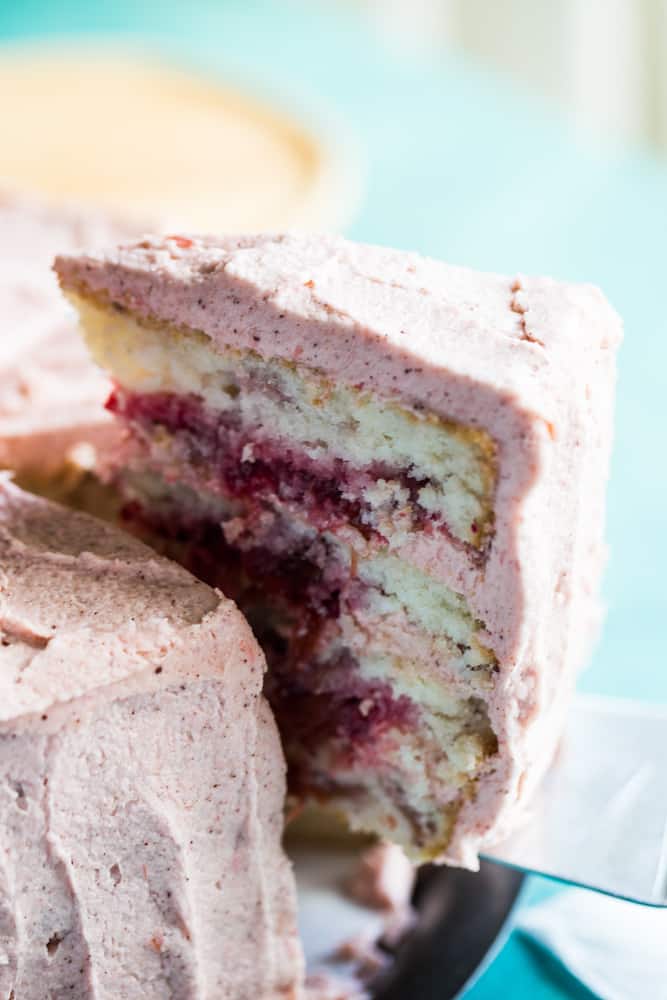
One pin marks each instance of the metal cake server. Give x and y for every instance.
(600, 820)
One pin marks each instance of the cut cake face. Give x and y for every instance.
(141, 800)
(398, 469)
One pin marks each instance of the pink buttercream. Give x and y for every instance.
(51, 395)
(529, 360)
(141, 776)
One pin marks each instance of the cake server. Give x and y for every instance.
(600, 819)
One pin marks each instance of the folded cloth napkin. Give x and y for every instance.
(617, 950)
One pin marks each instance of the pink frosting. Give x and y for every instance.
(529, 360)
(51, 395)
(141, 776)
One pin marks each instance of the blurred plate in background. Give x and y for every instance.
(147, 139)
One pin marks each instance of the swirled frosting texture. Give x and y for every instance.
(141, 777)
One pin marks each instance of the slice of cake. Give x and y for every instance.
(141, 776)
(398, 469)
(51, 395)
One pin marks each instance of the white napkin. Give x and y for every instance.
(617, 950)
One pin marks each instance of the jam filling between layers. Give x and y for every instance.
(224, 456)
(384, 463)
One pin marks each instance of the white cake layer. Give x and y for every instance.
(429, 604)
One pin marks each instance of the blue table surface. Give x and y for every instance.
(461, 166)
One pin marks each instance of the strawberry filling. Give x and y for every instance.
(241, 462)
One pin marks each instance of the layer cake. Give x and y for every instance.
(398, 469)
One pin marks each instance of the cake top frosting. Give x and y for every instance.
(47, 381)
(392, 320)
(84, 606)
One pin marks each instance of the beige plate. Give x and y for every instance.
(152, 141)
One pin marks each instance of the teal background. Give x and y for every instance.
(459, 165)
